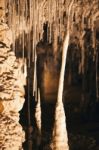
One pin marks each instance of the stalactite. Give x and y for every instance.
(13, 25)
(35, 77)
(29, 46)
(25, 68)
(10, 14)
(97, 74)
(55, 38)
(33, 44)
(23, 33)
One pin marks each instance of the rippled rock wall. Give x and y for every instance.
(11, 91)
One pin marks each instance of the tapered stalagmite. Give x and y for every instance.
(60, 138)
(38, 112)
(38, 119)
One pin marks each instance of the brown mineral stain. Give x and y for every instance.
(1, 107)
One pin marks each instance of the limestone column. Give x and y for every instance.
(60, 138)
(11, 90)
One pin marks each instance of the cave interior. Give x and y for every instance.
(42, 33)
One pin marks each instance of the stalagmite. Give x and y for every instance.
(38, 112)
(38, 119)
(60, 139)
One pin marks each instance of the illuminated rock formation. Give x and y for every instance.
(60, 138)
(26, 20)
(38, 119)
(11, 92)
(11, 134)
(38, 112)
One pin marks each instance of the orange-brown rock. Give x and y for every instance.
(1, 107)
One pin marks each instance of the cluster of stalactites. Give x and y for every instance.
(26, 18)
(27, 15)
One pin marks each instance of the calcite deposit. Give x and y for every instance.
(11, 92)
(11, 135)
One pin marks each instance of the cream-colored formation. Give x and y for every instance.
(38, 112)
(60, 138)
(11, 91)
(38, 120)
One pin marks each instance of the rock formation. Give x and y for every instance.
(38, 112)
(26, 20)
(11, 90)
(38, 119)
(60, 138)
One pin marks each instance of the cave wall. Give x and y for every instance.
(12, 93)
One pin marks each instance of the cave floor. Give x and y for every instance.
(82, 123)
(83, 127)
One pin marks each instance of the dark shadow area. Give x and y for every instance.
(79, 97)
